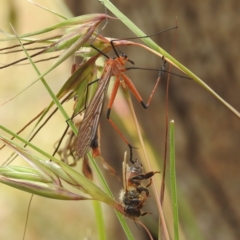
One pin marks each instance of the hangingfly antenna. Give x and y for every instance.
(98, 33)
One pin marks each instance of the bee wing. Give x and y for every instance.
(124, 172)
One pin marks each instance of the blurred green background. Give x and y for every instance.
(207, 138)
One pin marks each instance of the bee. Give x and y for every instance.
(134, 194)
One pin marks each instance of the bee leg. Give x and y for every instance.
(140, 177)
(150, 182)
(145, 213)
(143, 189)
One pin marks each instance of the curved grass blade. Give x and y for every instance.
(56, 169)
(38, 180)
(84, 19)
(168, 57)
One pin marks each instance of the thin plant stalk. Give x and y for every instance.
(173, 181)
(165, 230)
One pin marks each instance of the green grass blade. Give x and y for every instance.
(48, 10)
(99, 220)
(124, 225)
(149, 42)
(71, 176)
(173, 182)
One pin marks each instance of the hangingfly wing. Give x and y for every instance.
(89, 125)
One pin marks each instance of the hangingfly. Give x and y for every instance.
(87, 131)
